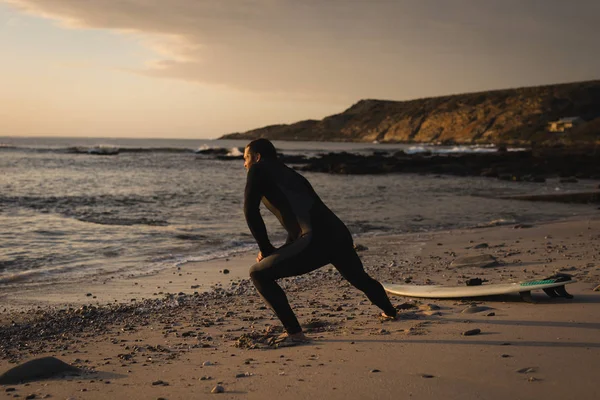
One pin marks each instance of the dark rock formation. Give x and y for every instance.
(532, 166)
(40, 368)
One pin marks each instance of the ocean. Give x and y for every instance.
(68, 213)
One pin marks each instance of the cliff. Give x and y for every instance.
(511, 116)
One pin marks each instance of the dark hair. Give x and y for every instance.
(264, 147)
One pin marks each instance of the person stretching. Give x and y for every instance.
(316, 236)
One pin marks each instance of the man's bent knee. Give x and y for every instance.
(258, 272)
(254, 272)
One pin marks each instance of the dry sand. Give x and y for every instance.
(160, 345)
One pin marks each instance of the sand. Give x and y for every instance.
(160, 345)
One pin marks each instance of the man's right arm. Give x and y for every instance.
(253, 195)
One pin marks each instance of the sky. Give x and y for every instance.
(204, 68)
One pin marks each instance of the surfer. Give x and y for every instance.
(316, 236)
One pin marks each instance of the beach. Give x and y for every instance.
(151, 337)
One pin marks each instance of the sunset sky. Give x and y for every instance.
(203, 68)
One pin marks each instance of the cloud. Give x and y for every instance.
(343, 48)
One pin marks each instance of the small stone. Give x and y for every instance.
(30, 396)
(481, 261)
(505, 356)
(481, 246)
(472, 332)
(206, 378)
(225, 271)
(492, 314)
(206, 363)
(88, 294)
(360, 247)
(243, 375)
(522, 226)
(527, 370)
(375, 371)
(10, 389)
(218, 389)
(159, 382)
(473, 309)
(406, 305)
(532, 379)
(427, 376)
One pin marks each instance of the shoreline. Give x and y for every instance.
(192, 342)
(196, 277)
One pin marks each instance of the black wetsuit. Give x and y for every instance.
(316, 237)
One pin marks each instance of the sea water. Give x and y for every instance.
(75, 209)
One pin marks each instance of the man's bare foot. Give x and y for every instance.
(385, 317)
(298, 337)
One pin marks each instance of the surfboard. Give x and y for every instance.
(553, 286)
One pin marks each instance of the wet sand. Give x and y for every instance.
(173, 343)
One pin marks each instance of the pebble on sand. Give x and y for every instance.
(472, 309)
(218, 389)
(360, 247)
(472, 332)
(480, 261)
(527, 370)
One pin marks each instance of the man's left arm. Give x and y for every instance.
(252, 197)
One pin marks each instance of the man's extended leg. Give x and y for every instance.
(347, 262)
(295, 259)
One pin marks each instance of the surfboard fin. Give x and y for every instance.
(551, 292)
(526, 296)
(562, 292)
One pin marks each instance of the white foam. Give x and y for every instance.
(484, 148)
(103, 149)
(241, 248)
(204, 147)
(234, 152)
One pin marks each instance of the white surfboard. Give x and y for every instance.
(553, 287)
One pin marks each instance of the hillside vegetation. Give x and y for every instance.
(511, 116)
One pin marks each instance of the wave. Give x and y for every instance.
(75, 272)
(101, 209)
(102, 220)
(99, 149)
(38, 274)
(220, 151)
(108, 149)
(427, 148)
(237, 248)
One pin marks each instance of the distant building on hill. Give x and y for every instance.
(564, 124)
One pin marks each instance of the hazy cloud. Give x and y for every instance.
(351, 48)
